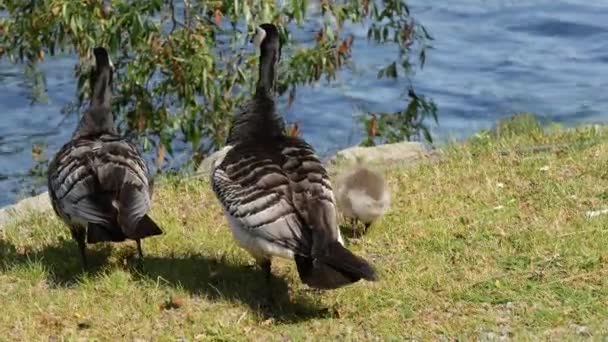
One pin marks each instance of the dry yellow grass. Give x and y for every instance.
(491, 242)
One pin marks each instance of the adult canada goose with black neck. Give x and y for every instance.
(98, 182)
(276, 193)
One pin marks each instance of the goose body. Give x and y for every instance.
(277, 195)
(98, 182)
(362, 195)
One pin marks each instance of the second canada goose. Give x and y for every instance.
(275, 192)
(362, 195)
(98, 182)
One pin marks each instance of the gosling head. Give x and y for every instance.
(102, 58)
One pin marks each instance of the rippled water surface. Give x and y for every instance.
(491, 58)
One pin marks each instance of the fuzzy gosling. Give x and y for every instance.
(362, 195)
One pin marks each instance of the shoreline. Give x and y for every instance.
(402, 153)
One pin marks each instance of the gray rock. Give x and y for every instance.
(382, 157)
(205, 168)
(403, 153)
(581, 330)
(406, 152)
(40, 203)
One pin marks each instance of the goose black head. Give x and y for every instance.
(98, 118)
(101, 78)
(268, 40)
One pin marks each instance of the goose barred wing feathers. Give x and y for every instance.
(312, 193)
(275, 192)
(257, 197)
(71, 182)
(279, 202)
(102, 183)
(269, 187)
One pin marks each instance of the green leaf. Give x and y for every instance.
(193, 69)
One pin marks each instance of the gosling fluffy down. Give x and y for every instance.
(362, 195)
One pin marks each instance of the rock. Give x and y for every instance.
(403, 153)
(207, 163)
(493, 336)
(581, 330)
(38, 203)
(407, 153)
(42, 202)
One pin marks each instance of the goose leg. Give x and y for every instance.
(266, 266)
(79, 235)
(141, 255)
(353, 226)
(139, 250)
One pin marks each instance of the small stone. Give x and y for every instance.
(595, 213)
(84, 325)
(582, 330)
(174, 302)
(267, 322)
(488, 336)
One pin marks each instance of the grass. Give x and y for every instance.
(493, 241)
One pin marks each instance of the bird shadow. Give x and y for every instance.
(217, 280)
(222, 280)
(60, 259)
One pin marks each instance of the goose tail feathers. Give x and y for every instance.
(337, 267)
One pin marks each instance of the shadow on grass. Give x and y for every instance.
(62, 260)
(222, 280)
(197, 274)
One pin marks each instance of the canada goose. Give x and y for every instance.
(98, 182)
(362, 195)
(275, 192)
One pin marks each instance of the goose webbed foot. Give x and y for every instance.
(267, 298)
(354, 227)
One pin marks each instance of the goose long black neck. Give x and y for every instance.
(259, 120)
(270, 53)
(98, 119)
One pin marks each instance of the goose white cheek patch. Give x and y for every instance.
(260, 34)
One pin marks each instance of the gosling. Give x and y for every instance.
(362, 195)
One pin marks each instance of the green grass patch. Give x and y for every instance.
(491, 241)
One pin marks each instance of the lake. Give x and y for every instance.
(491, 58)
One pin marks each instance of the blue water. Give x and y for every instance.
(491, 58)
